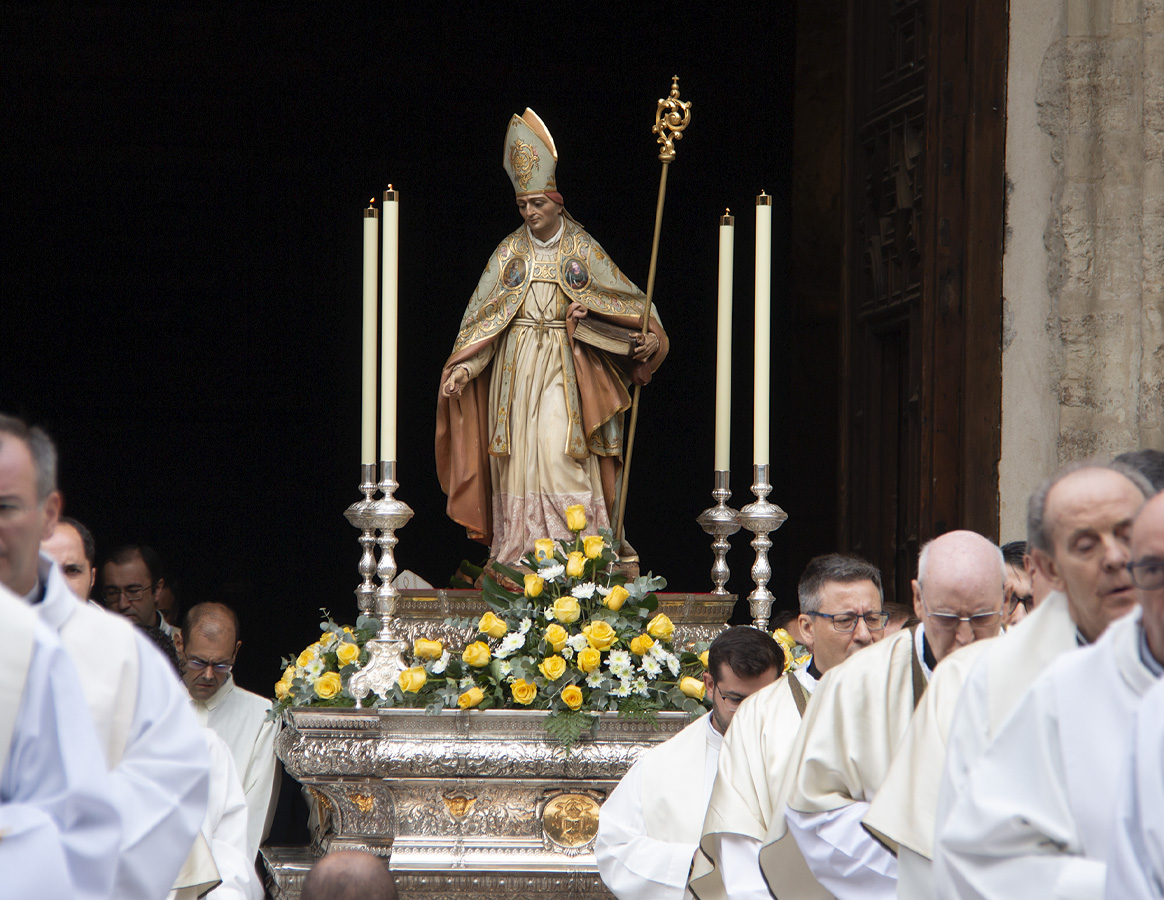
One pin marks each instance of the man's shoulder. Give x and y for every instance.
(873, 662)
(760, 711)
(249, 700)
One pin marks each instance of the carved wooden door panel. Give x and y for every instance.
(921, 323)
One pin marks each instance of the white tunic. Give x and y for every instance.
(59, 827)
(225, 827)
(648, 828)
(1037, 812)
(240, 719)
(158, 761)
(856, 722)
(747, 797)
(1135, 859)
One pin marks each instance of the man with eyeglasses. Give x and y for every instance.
(1035, 817)
(862, 709)
(208, 645)
(841, 612)
(1079, 522)
(130, 581)
(648, 829)
(150, 742)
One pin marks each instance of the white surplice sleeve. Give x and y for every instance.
(739, 862)
(59, 829)
(161, 783)
(633, 865)
(842, 855)
(260, 783)
(225, 828)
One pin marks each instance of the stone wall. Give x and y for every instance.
(1083, 266)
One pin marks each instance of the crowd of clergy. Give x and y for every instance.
(1004, 742)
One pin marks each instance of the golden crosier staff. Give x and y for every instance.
(671, 117)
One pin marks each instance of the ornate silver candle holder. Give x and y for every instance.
(386, 652)
(761, 518)
(720, 521)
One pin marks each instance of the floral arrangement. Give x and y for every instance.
(796, 656)
(319, 675)
(577, 639)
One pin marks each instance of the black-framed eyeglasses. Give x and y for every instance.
(731, 699)
(846, 623)
(983, 621)
(1028, 603)
(199, 664)
(1147, 574)
(131, 591)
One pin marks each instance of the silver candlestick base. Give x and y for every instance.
(386, 652)
(720, 521)
(761, 518)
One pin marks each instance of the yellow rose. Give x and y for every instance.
(282, 689)
(589, 660)
(492, 626)
(426, 649)
(600, 635)
(703, 658)
(661, 628)
(533, 585)
(575, 564)
(553, 667)
(543, 549)
(328, 685)
(307, 655)
(477, 654)
(523, 692)
(347, 653)
(470, 698)
(566, 610)
(616, 598)
(556, 637)
(327, 640)
(412, 680)
(576, 517)
(693, 687)
(592, 546)
(641, 644)
(288, 674)
(572, 696)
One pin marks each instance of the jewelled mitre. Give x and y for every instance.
(530, 155)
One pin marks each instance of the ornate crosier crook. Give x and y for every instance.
(671, 117)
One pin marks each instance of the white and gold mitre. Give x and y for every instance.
(530, 155)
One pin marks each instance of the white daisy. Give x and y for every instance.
(623, 689)
(440, 665)
(673, 664)
(505, 667)
(566, 652)
(584, 591)
(577, 642)
(551, 570)
(313, 669)
(603, 590)
(651, 666)
(524, 626)
(466, 682)
(594, 680)
(640, 687)
(509, 645)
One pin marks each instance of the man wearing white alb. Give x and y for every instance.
(59, 830)
(1135, 860)
(649, 827)
(148, 737)
(1035, 819)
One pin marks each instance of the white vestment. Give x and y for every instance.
(59, 825)
(1135, 859)
(856, 722)
(151, 741)
(902, 814)
(746, 798)
(648, 828)
(1037, 813)
(240, 719)
(224, 829)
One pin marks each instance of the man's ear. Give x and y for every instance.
(179, 645)
(807, 623)
(237, 647)
(52, 514)
(918, 609)
(708, 682)
(1045, 565)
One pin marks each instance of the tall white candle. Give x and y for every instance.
(763, 327)
(388, 325)
(368, 369)
(723, 348)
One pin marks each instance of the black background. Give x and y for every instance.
(182, 188)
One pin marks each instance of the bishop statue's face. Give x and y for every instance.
(541, 214)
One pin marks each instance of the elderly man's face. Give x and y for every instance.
(541, 214)
(1089, 514)
(1148, 567)
(67, 549)
(24, 522)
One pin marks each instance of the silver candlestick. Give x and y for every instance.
(720, 521)
(761, 518)
(386, 651)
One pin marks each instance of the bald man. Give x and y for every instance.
(207, 645)
(349, 875)
(861, 711)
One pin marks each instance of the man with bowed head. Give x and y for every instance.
(130, 581)
(648, 829)
(208, 645)
(349, 875)
(841, 612)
